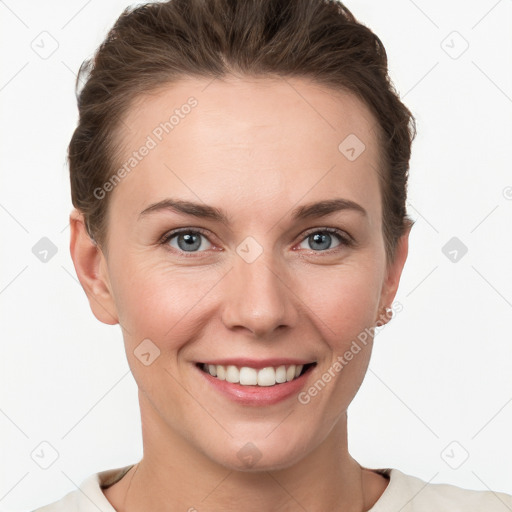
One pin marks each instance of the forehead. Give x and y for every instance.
(250, 141)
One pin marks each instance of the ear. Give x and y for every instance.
(91, 269)
(392, 279)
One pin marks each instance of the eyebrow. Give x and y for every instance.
(203, 211)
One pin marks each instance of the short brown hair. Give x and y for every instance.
(158, 43)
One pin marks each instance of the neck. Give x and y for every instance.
(173, 472)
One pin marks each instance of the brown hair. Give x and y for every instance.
(158, 43)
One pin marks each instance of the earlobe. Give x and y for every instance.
(392, 280)
(91, 269)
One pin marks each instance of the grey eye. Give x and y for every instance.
(321, 240)
(188, 241)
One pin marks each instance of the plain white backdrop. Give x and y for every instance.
(437, 399)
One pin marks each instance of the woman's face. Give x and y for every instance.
(265, 282)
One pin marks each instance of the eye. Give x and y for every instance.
(191, 241)
(187, 240)
(321, 240)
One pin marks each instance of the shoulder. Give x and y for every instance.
(69, 502)
(89, 496)
(408, 493)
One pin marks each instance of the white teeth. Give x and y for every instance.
(281, 374)
(267, 376)
(221, 372)
(232, 374)
(246, 376)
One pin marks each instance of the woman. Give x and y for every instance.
(239, 177)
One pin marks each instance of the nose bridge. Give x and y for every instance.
(257, 296)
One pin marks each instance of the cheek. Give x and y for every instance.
(342, 306)
(343, 299)
(157, 301)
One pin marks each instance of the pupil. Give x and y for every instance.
(319, 237)
(191, 241)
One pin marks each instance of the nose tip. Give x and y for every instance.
(257, 299)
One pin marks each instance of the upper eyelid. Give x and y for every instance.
(327, 229)
(173, 232)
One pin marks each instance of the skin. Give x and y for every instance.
(256, 148)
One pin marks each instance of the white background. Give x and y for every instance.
(441, 370)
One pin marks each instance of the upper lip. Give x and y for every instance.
(258, 363)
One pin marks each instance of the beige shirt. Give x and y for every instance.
(404, 493)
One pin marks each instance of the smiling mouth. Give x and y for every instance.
(264, 377)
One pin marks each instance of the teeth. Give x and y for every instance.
(221, 372)
(267, 376)
(246, 376)
(281, 374)
(232, 374)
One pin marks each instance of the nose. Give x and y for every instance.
(258, 298)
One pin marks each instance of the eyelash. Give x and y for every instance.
(344, 239)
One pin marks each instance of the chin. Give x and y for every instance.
(261, 454)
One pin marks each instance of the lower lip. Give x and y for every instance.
(257, 395)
